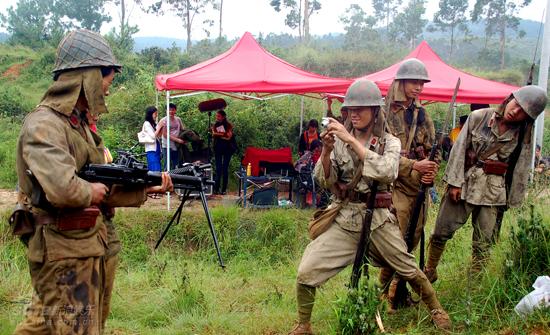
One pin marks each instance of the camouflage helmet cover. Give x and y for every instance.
(363, 93)
(83, 48)
(532, 100)
(414, 69)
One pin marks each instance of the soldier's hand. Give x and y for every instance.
(455, 193)
(428, 178)
(99, 192)
(166, 185)
(337, 129)
(328, 142)
(425, 166)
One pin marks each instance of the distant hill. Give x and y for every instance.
(4, 37)
(141, 43)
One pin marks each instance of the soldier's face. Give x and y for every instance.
(413, 88)
(360, 117)
(107, 81)
(513, 112)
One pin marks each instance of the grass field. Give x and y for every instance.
(180, 289)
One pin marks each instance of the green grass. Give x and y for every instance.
(180, 289)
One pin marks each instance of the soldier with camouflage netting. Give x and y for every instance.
(64, 220)
(351, 160)
(488, 167)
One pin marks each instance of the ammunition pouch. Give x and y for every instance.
(495, 167)
(21, 221)
(381, 200)
(70, 219)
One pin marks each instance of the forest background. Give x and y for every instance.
(179, 289)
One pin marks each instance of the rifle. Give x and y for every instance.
(361, 259)
(401, 289)
(128, 171)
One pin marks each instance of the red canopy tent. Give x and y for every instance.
(443, 80)
(249, 68)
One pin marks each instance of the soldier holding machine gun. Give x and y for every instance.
(358, 163)
(60, 216)
(488, 167)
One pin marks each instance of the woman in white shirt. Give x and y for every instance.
(152, 149)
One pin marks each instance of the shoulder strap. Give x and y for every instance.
(490, 151)
(412, 130)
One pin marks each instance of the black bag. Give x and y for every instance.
(233, 148)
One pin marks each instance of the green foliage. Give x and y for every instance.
(409, 24)
(529, 254)
(356, 312)
(12, 103)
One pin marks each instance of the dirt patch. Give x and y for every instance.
(14, 71)
(7, 199)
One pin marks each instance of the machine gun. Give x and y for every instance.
(401, 292)
(127, 170)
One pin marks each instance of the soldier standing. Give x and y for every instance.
(60, 217)
(488, 167)
(351, 159)
(411, 124)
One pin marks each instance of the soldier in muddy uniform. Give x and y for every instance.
(488, 167)
(351, 159)
(59, 216)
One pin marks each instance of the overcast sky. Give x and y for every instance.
(258, 16)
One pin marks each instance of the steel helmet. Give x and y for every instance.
(363, 93)
(532, 100)
(83, 48)
(412, 68)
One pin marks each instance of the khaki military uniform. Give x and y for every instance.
(481, 193)
(407, 184)
(67, 267)
(333, 250)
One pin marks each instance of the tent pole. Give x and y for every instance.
(301, 114)
(168, 141)
(543, 71)
(543, 80)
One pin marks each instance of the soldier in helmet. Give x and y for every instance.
(488, 167)
(62, 219)
(351, 158)
(411, 124)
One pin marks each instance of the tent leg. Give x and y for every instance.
(168, 142)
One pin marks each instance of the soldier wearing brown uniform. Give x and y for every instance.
(62, 217)
(346, 156)
(478, 168)
(411, 124)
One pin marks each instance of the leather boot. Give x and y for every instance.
(435, 251)
(302, 329)
(386, 275)
(424, 289)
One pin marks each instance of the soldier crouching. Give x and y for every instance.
(350, 161)
(488, 167)
(60, 217)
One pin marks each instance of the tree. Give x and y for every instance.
(409, 24)
(385, 10)
(187, 10)
(299, 14)
(123, 37)
(451, 15)
(36, 22)
(219, 6)
(498, 15)
(359, 28)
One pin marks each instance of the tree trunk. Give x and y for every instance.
(188, 25)
(306, 21)
(452, 42)
(300, 19)
(221, 11)
(502, 42)
(122, 22)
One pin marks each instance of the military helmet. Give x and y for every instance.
(83, 48)
(412, 68)
(532, 100)
(363, 93)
